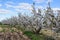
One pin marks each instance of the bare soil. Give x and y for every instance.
(12, 36)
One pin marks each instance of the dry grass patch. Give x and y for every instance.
(48, 32)
(1, 28)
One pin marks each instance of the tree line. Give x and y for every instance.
(36, 21)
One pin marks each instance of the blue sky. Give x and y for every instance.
(10, 8)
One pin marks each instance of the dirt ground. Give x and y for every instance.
(6, 34)
(12, 36)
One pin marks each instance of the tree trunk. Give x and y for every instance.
(38, 30)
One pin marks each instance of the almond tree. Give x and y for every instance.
(36, 20)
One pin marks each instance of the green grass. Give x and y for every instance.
(4, 26)
(34, 36)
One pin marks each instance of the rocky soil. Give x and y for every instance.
(12, 36)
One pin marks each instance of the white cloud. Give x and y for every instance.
(56, 8)
(19, 6)
(8, 5)
(9, 2)
(50, 0)
(0, 5)
(39, 1)
(2, 17)
(42, 1)
(4, 11)
(24, 6)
